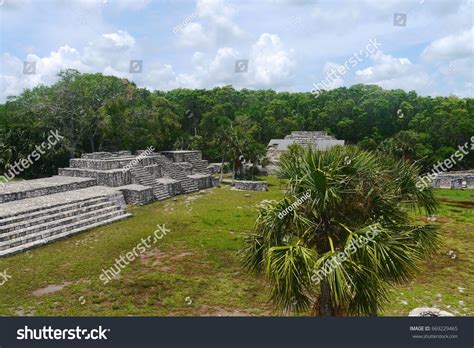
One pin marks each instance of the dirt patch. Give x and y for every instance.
(153, 254)
(180, 256)
(208, 311)
(458, 204)
(50, 289)
(25, 311)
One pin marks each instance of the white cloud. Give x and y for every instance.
(13, 81)
(111, 50)
(216, 25)
(270, 66)
(450, 47)
(117, 4)
(273, 64)
(391, 73)
(466, 91)
(386, 67)
(193, 35)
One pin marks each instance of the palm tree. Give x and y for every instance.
(338, 197)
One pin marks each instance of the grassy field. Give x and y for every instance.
(194, 269)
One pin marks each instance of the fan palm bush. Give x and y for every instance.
(342, 234)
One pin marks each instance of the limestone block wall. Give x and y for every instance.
(6, 196)
(251, 185)
(106, 155)
(454, 180)
(118, 199)
(98, 164)
(112, 178)
(137, 194)
(155, 170)
(183, 156)
(172, 186)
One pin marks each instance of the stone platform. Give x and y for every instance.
(17, 190)
(92, 192)
(32, 222)
(455, 180)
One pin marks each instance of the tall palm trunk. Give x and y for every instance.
(325, 305)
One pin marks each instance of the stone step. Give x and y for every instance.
(68, 232)
(5, 238)
(73, 210)
(46, 233)
(53, 209)
(161, 193)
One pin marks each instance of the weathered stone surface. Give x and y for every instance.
(429, 312)
(40, 211)
(203, 180)
(17, 190)
(251, 185)
(454, 180)
(318, 140)
(137, 194)
(32, 222)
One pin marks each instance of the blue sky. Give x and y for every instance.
(290, 45)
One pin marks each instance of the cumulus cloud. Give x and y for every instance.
(270, 66)
(273, 64)
(450, 47)
(109, 54)
(212, 22)
(110, 50)
(211, 35)
(391, 72)
(13, 80)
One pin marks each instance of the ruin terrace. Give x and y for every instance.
(94, 191)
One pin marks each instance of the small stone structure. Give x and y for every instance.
(251, 185)
(318, 140)
(93, 192)
(454, 180)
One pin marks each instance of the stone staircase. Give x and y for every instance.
(173, 170)
(143, 177)
(161, 192)
(201, 167)
(44, 224)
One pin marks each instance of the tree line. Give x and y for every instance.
(105, 113)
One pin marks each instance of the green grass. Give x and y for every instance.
(440, 277)
(194, 269)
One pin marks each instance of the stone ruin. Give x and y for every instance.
(92, 192)
(318, 140)
(249, 185)
(454, 180)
